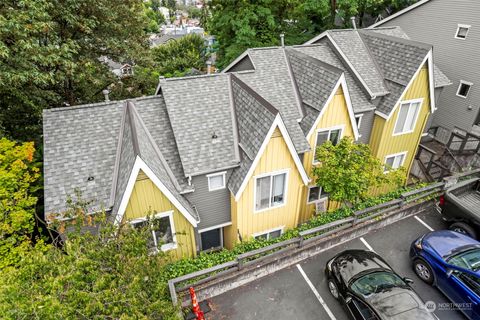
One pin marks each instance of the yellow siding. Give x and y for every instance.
(383, 142)
(335, 114)
(276, 157)
(147, 199)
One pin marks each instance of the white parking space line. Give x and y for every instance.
(310, 284)
(369, 247)
(424, 223)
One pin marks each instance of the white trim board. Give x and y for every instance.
(226, 224)
(343, 83)
(278, 122)
(141, 165)
(428, 59)
(399, 13)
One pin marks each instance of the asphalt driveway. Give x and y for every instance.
(300, 291)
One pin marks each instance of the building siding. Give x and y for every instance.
(455, 57)
(383, 142)
(276, 157)
(335, 114)
(212, 206)
(366, 126)
(147, 199)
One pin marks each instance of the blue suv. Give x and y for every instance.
(450, 261)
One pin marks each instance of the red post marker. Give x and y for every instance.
(195, 307)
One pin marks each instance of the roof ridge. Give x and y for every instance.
(298, 96)
(267, 105)
(201, 76)
(316, 61)
(377, 66)
(155, 147)
(99, 104)
(372, 33)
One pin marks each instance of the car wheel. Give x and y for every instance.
(423, 271)
(463, 228)
(332, 287)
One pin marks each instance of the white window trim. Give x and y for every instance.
(404, 153)
(360, 116)
(342, 130)
(169, 214)
(221, 238)
(460, 85)
(458, 29)
(319, 199)
(414, 121)
(223, 174)
(268, 232)
(271, 174)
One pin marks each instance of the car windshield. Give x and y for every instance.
(469, 259)
(376, 282)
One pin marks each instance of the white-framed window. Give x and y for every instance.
(216, 181)
(462, 31)
(407, 116)
(162, 231)
(358, 120)
(394, 161)
(464, 88)
(270, 190)
(315, 194)
(323, 135)
(270, 234)
(211, 239)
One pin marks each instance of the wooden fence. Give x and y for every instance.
(315, 235)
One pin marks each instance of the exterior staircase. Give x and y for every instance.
(443, 153)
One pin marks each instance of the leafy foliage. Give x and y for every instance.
(156, 18)
(95, 276)
(348, 171)
(50, 50)
(18, 173)
(177, 57)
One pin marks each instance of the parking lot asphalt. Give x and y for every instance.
(301, 292)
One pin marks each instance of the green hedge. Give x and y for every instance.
(207, 260)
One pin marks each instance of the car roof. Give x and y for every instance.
(351, 263)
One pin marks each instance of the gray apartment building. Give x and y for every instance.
(453, 28)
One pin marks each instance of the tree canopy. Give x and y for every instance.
(18, 173)
(348, 171)
(178, 57)
(50, 50)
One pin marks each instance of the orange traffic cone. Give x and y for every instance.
(195, 307)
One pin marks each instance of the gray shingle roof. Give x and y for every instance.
(273, 81)
(397, 58)
(324, 51)
(80, 142)
(255, 117)
(102, 141)
(440, 78)
(200, 108)
(357, 53)
(315, 79)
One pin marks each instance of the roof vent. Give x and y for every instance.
(105, 94)
(214, 137)
(90, 178)
(282, 40)
(354, 25)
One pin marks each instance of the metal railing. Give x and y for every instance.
(305, 239)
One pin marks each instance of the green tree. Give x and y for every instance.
(177, 57)
(348, 171)
(94, 276)
(156, 18)
(18, 174)
(50, 50)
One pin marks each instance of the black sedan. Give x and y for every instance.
(369, 289)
